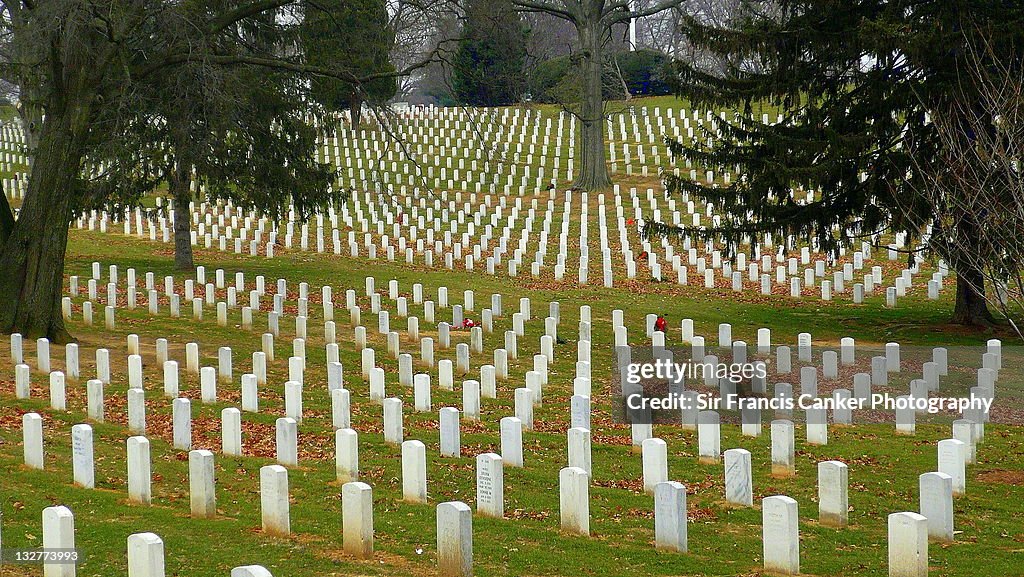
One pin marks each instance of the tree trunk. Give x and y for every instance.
(6, 217)
(356, 113)
(178, 185)
(962, 248)
(592, 170)
(31, 115)
(32, 257)
(971, 307)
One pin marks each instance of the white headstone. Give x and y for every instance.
(137, 411)
(357, 519)
(181, 415)
(709, 437)
(58, 533)
(963, 431)
(202, 486)
(908, 545)
(293, 400)
(287, 438)
(421, 392)
(82, 456)
(512, 441)
(451, 445)
(579, 408)
(250, 391)
(454, 539)
(670, 523)
(414, 472)
(145, 555)
(17, 349)
(783, 448)
(655, 463)
(393, 430)
(208, 385)
(574, 500)
(274, 500)
(953, 462)
(139, 477)
(346, 455)
(739, 483)
(22, 382)
(490, 492)
(58, 391)
(471, 399)
(170, 379)
(524, 407)
(936, 499)
(32, 440)
(43, 355)
(135, 372)
(833, 500)
(341, 414)
(578, 442)
(231, 432)
(781, 534)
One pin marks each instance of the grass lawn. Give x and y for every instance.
(723, 540)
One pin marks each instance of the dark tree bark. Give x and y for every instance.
(971, 307)
(6, 217)
(356, 112)
(593, 171)
(32, 257)
(962, 247)
(31, 115)
(178, 184)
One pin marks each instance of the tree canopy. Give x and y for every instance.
(488, 66)
(89, 71)
(351, 35)
(856, 85)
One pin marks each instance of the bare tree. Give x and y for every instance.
(416, 26)
(594, 22)
(662, 31)
(550, 37)
(976, 185)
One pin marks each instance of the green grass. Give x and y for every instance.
(723, 540)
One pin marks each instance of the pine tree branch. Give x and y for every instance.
(232, 17)
(565, 12)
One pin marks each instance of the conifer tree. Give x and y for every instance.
(354, 36)
(488, 64)
(856, 85)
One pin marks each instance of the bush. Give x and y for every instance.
(644, 72)
(550, 79)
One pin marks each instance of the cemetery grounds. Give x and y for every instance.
(723, 539)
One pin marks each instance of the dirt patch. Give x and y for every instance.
(1003, 476)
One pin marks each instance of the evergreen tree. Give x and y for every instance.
(350, 35)
(246, 137)
(82, 67)
(244, 133)
(488, 64)
(856, 84)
